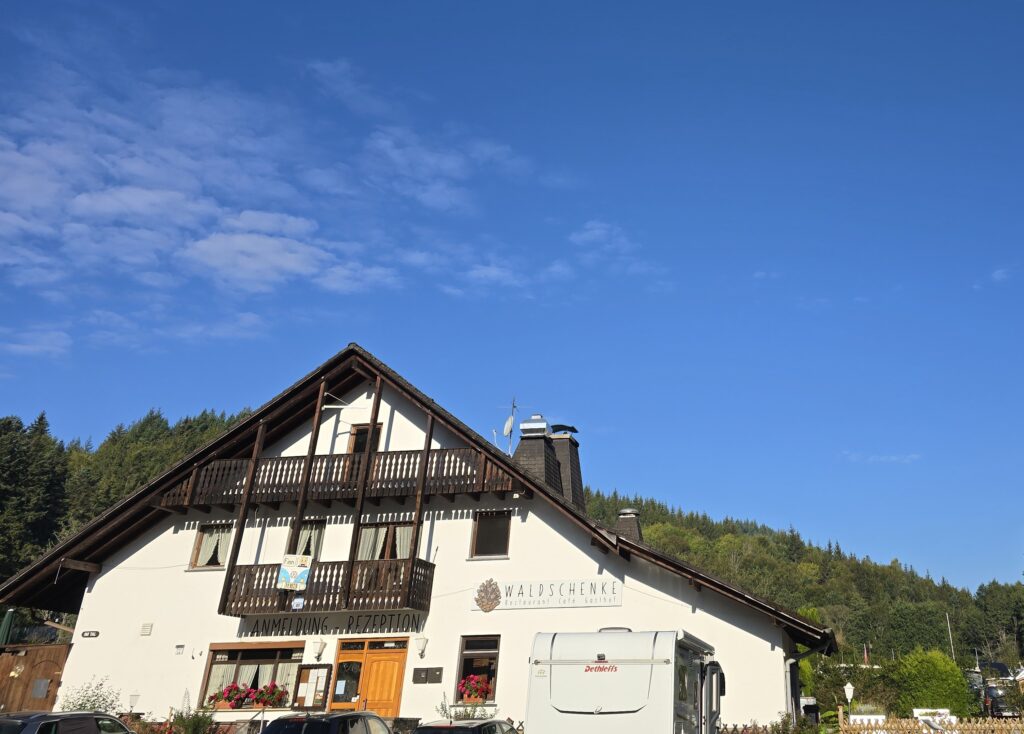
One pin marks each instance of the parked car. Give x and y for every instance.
(996, 704)
(349, 722)
(61, 722)
(466, 726)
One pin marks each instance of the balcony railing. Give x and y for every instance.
(335, 477)
(377, 585)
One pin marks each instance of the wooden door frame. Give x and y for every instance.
(365, 651)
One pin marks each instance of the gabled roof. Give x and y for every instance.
(57, 579)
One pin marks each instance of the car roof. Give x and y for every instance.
(458, 723)
(33, 715)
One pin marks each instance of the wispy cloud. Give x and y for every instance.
(342, 80)
(858, 457)
(35, 342)
(999, 275)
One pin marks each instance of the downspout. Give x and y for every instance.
(788, 666)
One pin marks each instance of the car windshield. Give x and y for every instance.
(454, 729)
(296, 726)
(10, 726)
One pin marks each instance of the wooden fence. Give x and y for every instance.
(916, 726)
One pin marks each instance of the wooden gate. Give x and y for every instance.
(30, 676)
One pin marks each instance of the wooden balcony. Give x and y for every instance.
(377, 585)
(334, 477)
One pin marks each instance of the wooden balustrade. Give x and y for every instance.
(334, 477)
(378, 585)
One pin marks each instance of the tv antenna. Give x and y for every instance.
(509, 425)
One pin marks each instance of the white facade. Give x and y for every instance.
(148, 582)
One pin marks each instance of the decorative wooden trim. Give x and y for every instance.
(81, 565)
(364, 474)
(220, 646)
(307, 470)
(243, 513)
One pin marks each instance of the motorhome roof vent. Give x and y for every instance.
(615, 629)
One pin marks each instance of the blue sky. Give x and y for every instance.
(766, 256)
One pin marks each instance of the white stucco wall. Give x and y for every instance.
(149, 582)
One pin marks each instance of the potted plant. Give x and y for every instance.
(474, 689)
(232, 696)
(270, 696)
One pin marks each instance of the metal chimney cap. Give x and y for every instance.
(535, 426)
(629, 512)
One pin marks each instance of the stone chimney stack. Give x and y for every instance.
(628, 524)
(553, 460)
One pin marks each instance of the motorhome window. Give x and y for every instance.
(384, 542)
(211, 548)
(311, 537)
(252, 667)
(490, 533)
(479, 656)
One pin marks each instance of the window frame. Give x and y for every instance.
(198, 544)
(322, 522)
(476, 528)
(277, 647)
(388, 538)
(464, 654)
(355, 428)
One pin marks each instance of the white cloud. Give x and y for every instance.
(137, 204)
(355, 278)
(253, 262)
(1000, 274)
(340, 79)
(600, 236)
(270, 223)
(494, 274)
(41, 342)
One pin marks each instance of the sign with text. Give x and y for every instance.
(294, 572)
(303, 625)
(494, 595)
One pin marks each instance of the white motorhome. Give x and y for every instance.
(617, 681)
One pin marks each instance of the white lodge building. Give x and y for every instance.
(433, 556)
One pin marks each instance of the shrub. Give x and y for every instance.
(96, 695)
(930, 679)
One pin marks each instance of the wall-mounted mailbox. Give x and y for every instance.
(426, 675)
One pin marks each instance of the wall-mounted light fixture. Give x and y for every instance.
(421, 644)
(319, 646)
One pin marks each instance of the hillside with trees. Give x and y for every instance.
(889, 612)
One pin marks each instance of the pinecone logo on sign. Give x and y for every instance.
(488, 596)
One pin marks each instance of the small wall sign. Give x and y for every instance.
(90, 633)
(294, 572)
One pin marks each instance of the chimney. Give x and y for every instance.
(536, 454)
(628, 524)
(567, 449)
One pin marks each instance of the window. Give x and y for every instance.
(383, 542)
(479, 656)
(359, 436)
(490, 534)
(77, 725)
(376, 725)
(252, 667)
(110, 726)
(311, 537)
(211, 550)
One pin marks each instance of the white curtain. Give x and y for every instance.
(286, 673)
(213, 547)
(371, 542)
(309, 538)
(220, 676)
(403, 537)
(247, 675)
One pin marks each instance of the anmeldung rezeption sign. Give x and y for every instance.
(600, 591)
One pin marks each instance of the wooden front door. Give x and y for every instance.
(30, 676)
(368, 675)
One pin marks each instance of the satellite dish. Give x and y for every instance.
(507, 430)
